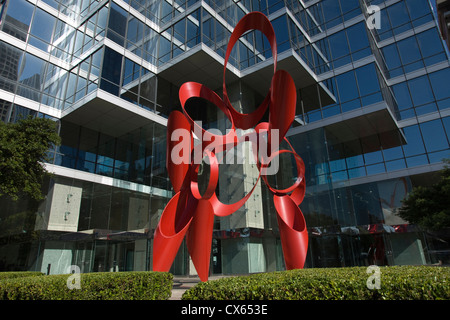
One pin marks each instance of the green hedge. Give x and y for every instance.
(93, 286)
(397, 283)
(19, 274)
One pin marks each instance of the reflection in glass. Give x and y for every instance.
(434, 135)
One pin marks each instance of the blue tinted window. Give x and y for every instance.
(164, 49)
(409, 50)
(416, 160)
(337, 165)
(446, 122)
(338, 45)
(430, 43)
(135, 30)
(392, 153)
(357, 37)
(53, 3)
(20, 10)
(274, 5)
(112, 65)
(42, 29)
(434, 135)
(417, 8)
(281, 33)
(395, 165)
(401, 93)
(180, 30)
(347, 86)
(367, 80)
(385, 31)
(440, 83)
(355, 161)
(376, 168)
(420, 90)
(31, 68)
(118, 23)
(43, 25)
(414, 140)
(331, 12)
(193, 29)
(350, 5)
(391, 56)
(398, 14)
(130, 72)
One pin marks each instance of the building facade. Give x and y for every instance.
(373, 121)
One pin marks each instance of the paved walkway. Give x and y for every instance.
(181, 284)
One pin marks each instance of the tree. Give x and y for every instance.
(24, 148)
(429, 207)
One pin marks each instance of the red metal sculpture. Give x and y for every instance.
(191, 214)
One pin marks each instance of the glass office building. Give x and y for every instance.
(373, 121)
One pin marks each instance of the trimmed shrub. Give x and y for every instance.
(93, 286)
(19, 274)
(397, 283)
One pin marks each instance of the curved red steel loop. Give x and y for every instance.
(213, 178)
(251, 21)
(190, 213)
(177, 171)
(197, 90)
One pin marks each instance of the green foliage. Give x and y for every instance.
(94, 286)
(23, 147)
(19, 274)
(397, 283)
(429, 207)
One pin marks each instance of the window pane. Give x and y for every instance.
(338, 45)
(439, 83)
(391, 56)
(43, 25)
(392, 153)
(135, 31)
(434, 135)
(31, 67)
(420, 90)
(281, 33)
(21, 11)
(416, 161)
(430, 43)
(331, 12)
(357, 37)
(401, 93)
(367, 80)
(409, 50)
(414, 140)
(112, 65)
(446, 122)
(385, 31)
(395, 165)
(9, 64)
(180, 31)
(417, 8)
(350, 5)
(347, 86)
(398, 14)
(193, 28)
(117, 23)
